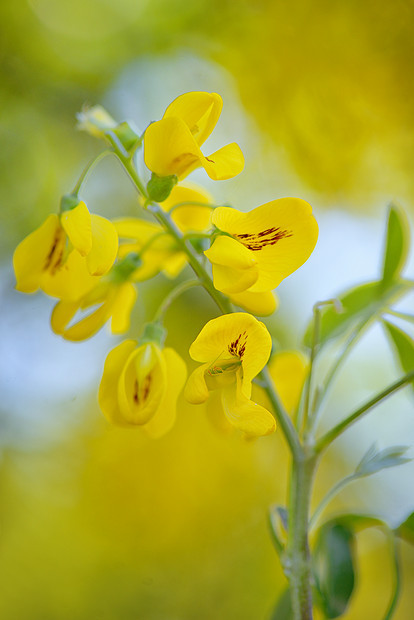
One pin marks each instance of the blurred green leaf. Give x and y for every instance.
(283, 609)
(403, 345)
(406, 529)
(397, 245)
(359, 522)
(359, 304)
(334, 568)
(374, 460)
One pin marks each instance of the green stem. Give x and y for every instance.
(189, 203)
(401, 315)
(330, 436)
(281, 416)
(88, 168)
(126, 159)
(297, 549)
(329, 496)
(397, 577)
(172, 295)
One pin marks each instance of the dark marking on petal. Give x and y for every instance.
(264, 238)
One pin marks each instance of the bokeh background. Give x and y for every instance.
(100, 523)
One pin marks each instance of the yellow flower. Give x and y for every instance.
(172, 145)
(114, 300)
(261, 247)
(192, 216)
(158, 250)
(61, 256)
(233, 348)
(140, 386)
(288, 370)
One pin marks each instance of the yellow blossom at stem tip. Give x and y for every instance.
(172, 145)
(233, 349)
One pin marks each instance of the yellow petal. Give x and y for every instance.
(108, 390)
(199, 110)
(62, 314)
(77, 225)
(260, 304)
(104, 246)
(40, 251)
(237, 334)
(191, 216)
(225, 163)
(122, 305)
(89, 325)
(71, 281)
(196, 391)
(280, 234)
(244, 414)
(289, 370)
(229, 252)
(174, 264)
(230, 281)
(139, 397)
(164, 418)
(215, 412)
(170, 148)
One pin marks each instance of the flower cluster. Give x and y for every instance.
(92, 266)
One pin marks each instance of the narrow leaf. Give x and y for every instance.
(374, 460)
(403, 346)
(334, 568)
(359, 304)
(396, 246)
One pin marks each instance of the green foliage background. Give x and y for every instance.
(102, 524)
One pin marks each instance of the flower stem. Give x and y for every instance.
(88, 168)
(337, 430)
(172, 295)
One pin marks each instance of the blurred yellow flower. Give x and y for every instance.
(233, 348)
(61, 256)
(289, 370)
(172, 145)
(140, 386)
(192, 216)
(261, 247)
(108, 300)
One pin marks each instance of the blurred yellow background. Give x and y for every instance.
(99, 523)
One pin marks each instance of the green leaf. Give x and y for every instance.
(374, 460)
(283, 609)
(359, 305)
(403, 346)
(359, 522)
(397, 244)
(406, 529)
(334, 568)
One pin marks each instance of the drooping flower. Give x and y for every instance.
(233, 349)
(64, 253)
(192, 216)
(140, 386)
(261, 247)
(172, 145)
(108, 300)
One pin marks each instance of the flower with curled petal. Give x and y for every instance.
(63, 255)
(140, 386)
(172, 145)
(261, 248)
(233, 349)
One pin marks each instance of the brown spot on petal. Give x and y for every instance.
(238, 346)
(264, 238)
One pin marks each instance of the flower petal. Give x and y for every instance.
(244, 414)
(260, 304)
(170, 148)
(231, 253)
(196, 391)
(123, 302)
(71, 281)
(62, 314)
(229, 280)
(191, 216)
(108, 389)
(281, 234)
(289, 370)
(238, 334)
(225, 163)
(104, 246)
(199, 110)
(140, 394)
(39, 251)
(77, 225)
(89, 325)
(164, 418)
